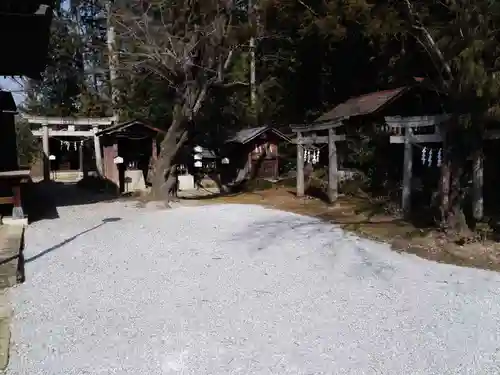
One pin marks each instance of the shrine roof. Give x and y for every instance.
(247, 135)
(24, 36)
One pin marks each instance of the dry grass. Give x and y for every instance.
(359, 215)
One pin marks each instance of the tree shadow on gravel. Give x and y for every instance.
(272, 232)
(42, 199)
(364, 263)
(72, 238)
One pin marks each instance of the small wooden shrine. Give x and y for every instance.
(254, 152)
(129, 150)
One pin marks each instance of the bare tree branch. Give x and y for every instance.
(188, 46)
(429, 44)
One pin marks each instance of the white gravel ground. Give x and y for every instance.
(241, 290)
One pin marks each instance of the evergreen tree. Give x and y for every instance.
(75, 79)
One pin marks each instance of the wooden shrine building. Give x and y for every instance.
(10, 175)
(24, 39)
(9, 160)
(255, 152)
(24, 36)
(129, 151)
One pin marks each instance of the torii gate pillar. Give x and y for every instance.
(98, 152)
(46, 152)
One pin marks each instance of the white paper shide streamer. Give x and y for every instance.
(429, 155)
(311, 156)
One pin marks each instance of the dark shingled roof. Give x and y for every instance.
(362, 105)
(24, 36)
(7, 103)
(23, 6)
(126, 127)
(247, 135)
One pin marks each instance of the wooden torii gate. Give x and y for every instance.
(91, 126)
(306, 135)
(410, 126)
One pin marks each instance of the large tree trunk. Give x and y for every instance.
(445, 180)
(453, 191)
(456, 220)
(184, 112)
(444, 192)
(163, 177)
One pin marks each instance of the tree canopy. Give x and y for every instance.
(184, 64)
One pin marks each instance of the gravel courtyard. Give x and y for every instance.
(237, 289)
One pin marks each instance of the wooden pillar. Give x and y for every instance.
(407, 171)
(477, 186)
(154, 149)
(85, 165)
(98, 152)
(332, 167)
(46, 152)
(17, 209)
(445, 172)
(300, 166)
(80, 158)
